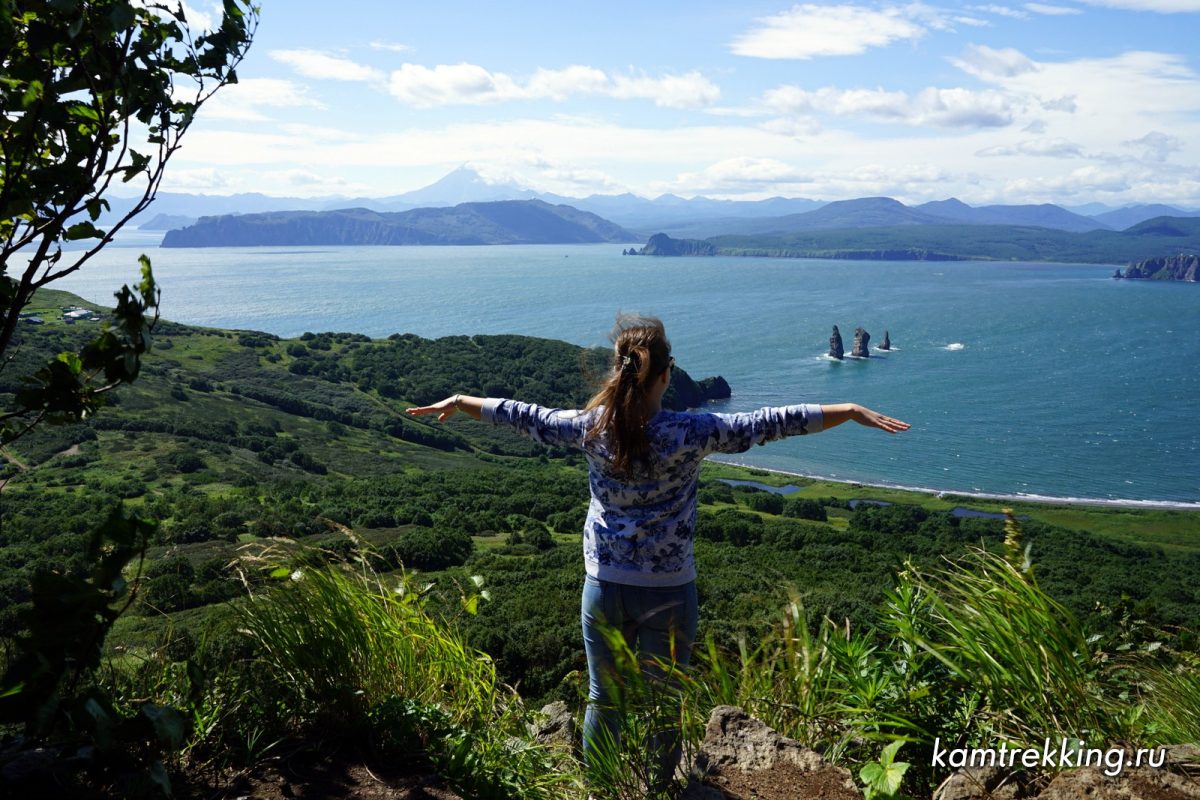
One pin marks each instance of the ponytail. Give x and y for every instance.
(640, 353)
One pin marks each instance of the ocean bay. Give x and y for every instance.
(1039, 379)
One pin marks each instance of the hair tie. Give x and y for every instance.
(625, 361)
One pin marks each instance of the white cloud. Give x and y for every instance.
(795, 127)
(1065, 103)
(1001, 11)
(951, 108)
(807, 31)
(470, 84)
(306, 179)
(197, 19)
(1049, 148)
(738, 175)
(691, 90)
(243, 101)
(196, 179)
(1089, 179)
(450, 84)
(1160, 6)
(755, 177)
(988, 63)
(1052, 11)
(322, 65)
(559, 84)
(394, 47)
(1156, 146)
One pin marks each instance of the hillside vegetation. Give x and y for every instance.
(321, 562)
(502, 222)
(1159, 236)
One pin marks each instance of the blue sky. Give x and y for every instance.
(1065, 101)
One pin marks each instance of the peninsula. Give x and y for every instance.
(502, 222)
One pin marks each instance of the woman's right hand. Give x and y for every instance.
(873, 419)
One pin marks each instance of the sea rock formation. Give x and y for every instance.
(1171, 268)
(835, 344)
(862, 342)
(715, 388)
(685, 393)
(887, 341)
(662, 245)
(742, 757)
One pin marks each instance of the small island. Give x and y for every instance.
(662, 245)
(1182, 267)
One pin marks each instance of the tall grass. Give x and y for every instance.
(974, 652)
(1000, 636)
(356, 651)
(1173, 703)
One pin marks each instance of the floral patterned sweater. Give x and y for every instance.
(641, 532)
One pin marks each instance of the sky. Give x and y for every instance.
(1065, 101)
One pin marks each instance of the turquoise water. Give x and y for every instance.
(1018, 378)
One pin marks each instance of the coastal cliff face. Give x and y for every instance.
(685, 393)
(1171, 268)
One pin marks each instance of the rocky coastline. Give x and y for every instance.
(1183, 267)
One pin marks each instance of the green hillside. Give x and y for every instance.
(1162, 236)
(262, 457)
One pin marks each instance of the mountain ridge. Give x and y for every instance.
(500, 222)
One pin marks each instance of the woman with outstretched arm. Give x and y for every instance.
(643, 470)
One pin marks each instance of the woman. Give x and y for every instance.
(643, 468)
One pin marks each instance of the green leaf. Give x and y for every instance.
(72, 360)
(170, 726)
(280, 573)
(882, 778)
(82, 230)
(889, 752)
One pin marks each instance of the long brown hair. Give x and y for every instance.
(640, 353)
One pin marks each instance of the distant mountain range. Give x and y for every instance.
(1158, 237)
(500, 222)
(697, 217)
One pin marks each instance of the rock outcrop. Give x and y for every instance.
(741, 757)
(887, 341)
(662, 245)
(862, 344)
(685, 393)
(555, 725)
(1171, 268)
(835, 344)
(715, 388)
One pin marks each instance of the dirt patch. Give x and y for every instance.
(781, 782)
(313, 775)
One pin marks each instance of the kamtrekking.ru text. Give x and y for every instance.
(1070, 753)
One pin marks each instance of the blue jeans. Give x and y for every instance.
(655, 622)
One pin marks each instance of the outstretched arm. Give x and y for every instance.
(546, 425)
(840, 412)
(471, 406)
